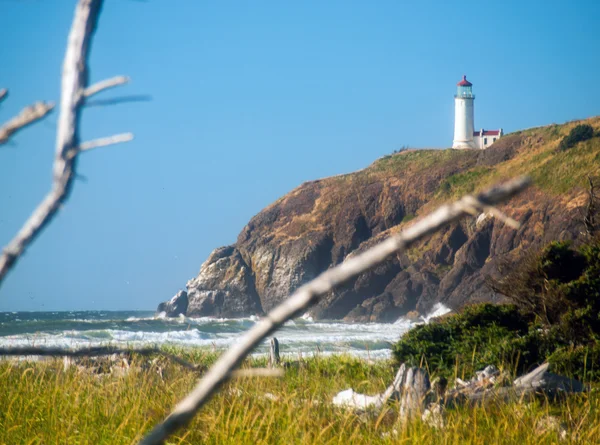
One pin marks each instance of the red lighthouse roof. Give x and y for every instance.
(464, 82)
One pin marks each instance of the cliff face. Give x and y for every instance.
(320, 223)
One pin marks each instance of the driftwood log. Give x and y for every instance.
(415, 394)
(411, 387)
(537, 383)
(419, 398)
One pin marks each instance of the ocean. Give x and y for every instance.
(78, 329)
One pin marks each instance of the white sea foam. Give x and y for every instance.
(300, 336)
(437, 311)
(307, 317)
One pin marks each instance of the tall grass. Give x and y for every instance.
(43, 404)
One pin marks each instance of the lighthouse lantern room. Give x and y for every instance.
(464, 134)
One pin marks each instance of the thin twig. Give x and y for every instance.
(3, 94)
(474, 210)
(309, 293)
(103, 142)
(105, 85)
(26, 117)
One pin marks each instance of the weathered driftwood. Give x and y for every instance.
(537, 383)
(309, 294)
(418, 398)
(549, 383)
(362, 402)
(414, 394)
(274, 358)
(410, 387)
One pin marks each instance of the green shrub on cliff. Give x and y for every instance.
(579, 133)
(560, 287)
(555, 317)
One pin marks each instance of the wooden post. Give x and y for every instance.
(274, 358)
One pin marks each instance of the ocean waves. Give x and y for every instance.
(299, 336)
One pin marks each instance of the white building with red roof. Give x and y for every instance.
(465, 135)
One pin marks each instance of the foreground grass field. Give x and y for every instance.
(43, 404)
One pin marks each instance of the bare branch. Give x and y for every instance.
(310, 293)
(103, 142)
(493, 211)
(74, 82)
(26, 117)
(3, 94)
(105, 85)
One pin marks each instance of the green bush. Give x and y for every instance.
(555, 283)
(481, 335)
(555, 317)
(578, 134)
(580, 362)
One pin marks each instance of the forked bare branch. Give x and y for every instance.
(74, 89)
(308, 294)
(26, 117)
(74, 82)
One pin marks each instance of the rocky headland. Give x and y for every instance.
(321, 223)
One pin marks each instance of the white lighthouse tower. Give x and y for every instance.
(464, 120)
(464, 115)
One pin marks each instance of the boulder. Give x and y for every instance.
(175, 306)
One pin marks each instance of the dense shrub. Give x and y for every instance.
(555, 316)
(554, 283)
(480, 335)
(580, 362)
(578, 134)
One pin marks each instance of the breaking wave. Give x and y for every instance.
(300, 336)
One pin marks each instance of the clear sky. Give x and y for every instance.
(249, 100)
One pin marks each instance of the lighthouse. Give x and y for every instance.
(463, 114)
(464, 120)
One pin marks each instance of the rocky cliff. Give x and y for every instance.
(321, 223)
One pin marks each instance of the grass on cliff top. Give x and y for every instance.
(42, 404)
(552, 170)
(417, 160)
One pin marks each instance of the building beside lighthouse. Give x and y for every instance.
(465, 135)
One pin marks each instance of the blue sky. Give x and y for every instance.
(249, 100)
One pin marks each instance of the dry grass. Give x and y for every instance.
(42, 404)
